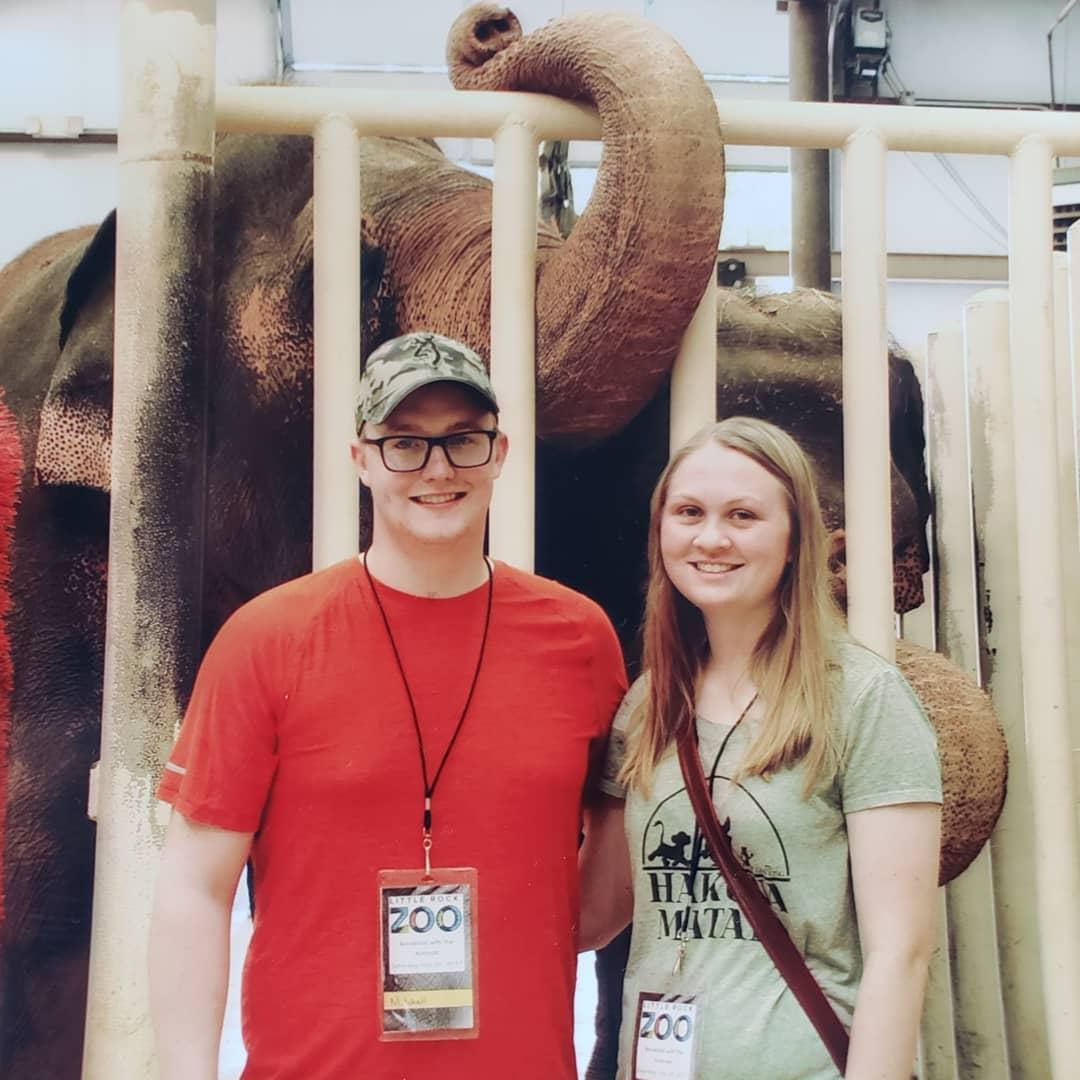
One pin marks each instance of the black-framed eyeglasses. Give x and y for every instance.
(410, 453)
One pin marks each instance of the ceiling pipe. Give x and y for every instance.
(742, 78)
(1065, 12)
(811, 227)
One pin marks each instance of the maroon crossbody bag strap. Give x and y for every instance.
(768, 928)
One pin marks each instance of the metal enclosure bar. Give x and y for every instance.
(518, 122)
(480, 113)
(938, 1027)
(1066, 341)
(867, 503)
(986, 348)
(338, 303)
(513, 337)
(811, 225)
(153, 625)
(693, 378)
(969, 899)
(1042, 626)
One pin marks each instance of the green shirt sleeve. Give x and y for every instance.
(889, 749)
(624, 721)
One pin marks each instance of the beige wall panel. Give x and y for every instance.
(1066, 349)
(986, 332)
(979, 1026)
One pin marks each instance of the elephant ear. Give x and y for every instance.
(971, 747)
(74, 431)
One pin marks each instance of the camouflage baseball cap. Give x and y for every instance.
(404, 364)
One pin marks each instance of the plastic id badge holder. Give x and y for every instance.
(427, 954)
(666, 1037)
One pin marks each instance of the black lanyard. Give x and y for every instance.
(699, 840)
(429, 786)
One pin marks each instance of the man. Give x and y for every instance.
(359, 731)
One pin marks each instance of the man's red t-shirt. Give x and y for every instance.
(299, 730)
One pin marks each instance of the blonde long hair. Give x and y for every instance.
(792, 663)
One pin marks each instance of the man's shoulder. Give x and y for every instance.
(291, 606)
(571, 604)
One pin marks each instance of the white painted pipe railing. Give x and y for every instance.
(1042, 624)
(865, 134)
(296, 110)
(978, 1019)
(986, 343)
(1066, 345)
(693, 378)
(337, 308)
(513, 337)
(939, 1020)
(867, 502)
(165, 155)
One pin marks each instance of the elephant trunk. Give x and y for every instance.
(613, 301)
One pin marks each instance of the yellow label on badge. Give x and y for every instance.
(428, 999)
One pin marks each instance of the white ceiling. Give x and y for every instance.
(60, 57)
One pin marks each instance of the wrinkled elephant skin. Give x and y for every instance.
(56, 631)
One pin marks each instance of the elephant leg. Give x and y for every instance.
(55, 627)
(46, 932)
(50, 1000)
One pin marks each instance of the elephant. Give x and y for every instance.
(645, 248)
(612, 303)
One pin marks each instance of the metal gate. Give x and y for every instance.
(1004, 998)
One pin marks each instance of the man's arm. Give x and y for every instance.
(189, 945)
(894, 868)
(607, 888)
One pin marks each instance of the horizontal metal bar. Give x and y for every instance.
(103, 135)
(725, 77)
(370, 69)
(900, 266)
(903, 127)
(746, 123)
(479, 114)
(292, 110)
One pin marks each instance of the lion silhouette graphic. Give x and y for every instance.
(673, 852)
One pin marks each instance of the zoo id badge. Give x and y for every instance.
(667, 1037)
(427, 954)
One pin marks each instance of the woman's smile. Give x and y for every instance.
(725, 535)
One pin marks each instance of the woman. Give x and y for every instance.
(822, 767)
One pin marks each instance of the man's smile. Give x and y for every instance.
(438, 498)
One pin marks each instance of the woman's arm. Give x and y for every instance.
(607, 887)
(894, 867)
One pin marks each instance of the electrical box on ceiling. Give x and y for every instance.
(870, 30)
(870, 41)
